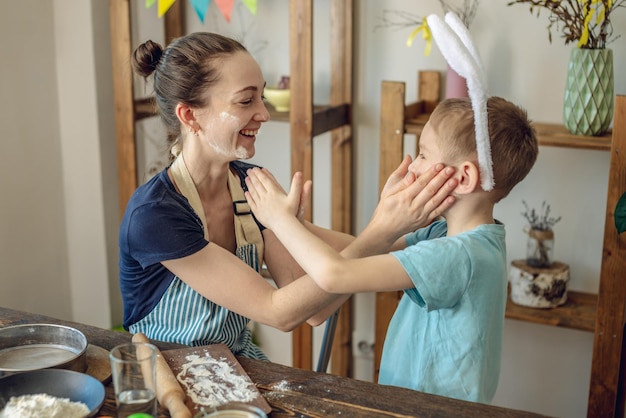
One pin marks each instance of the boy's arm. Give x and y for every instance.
(329, 269)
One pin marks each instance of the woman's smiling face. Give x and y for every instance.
(235, 111)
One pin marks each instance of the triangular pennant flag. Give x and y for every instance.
(251, 5)
(200, 6)
(164, 6)
(149, 3)
(226, 7)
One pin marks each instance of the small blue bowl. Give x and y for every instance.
(75, 386)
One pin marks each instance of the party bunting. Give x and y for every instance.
(201, 6)
(251, 5)
(164, 6)
(226, 7)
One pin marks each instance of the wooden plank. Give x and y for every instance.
(301, 129)
(558, 136)
(174, 22)
(391, 152)
(391, 129)
(123, 100)
(579, 312)
(329, 118)
(606, 387)
(428, 89)
(216, 363)
(341, 17)
(386, 304)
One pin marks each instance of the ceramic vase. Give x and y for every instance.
(588, 102)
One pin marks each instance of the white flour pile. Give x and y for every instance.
(213, 382)
(41, 405)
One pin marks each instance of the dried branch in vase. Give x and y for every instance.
(586, 22)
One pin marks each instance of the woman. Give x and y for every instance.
(190, 249)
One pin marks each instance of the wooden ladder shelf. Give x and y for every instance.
(306, 122)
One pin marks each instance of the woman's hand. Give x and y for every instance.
(408, 203)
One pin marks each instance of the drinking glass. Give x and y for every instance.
(133, 369)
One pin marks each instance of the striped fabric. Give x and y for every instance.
(186, 317)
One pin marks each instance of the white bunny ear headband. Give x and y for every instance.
(457, 47)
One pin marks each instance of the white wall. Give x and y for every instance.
(58, 218)
(56, 119)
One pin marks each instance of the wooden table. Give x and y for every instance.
(303, 393)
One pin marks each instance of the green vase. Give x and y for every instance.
(588, 103)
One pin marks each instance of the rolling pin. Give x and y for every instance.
(168, 390)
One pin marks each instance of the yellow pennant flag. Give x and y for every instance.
(164, 6)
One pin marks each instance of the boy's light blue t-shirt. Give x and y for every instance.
(446, 334)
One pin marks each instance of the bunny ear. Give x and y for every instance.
(451, 46)
(458, 49)
(457, 25)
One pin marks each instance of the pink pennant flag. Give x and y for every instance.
(251, 5)
(200, 6)
(164, 6)
(226, 7)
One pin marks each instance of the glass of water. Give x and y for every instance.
(133, 369)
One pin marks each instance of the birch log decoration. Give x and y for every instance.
(538, 287)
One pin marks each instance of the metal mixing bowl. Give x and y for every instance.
(41, 346)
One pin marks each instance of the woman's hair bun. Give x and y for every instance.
(146, 58)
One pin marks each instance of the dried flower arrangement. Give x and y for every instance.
(586, 22)
(539, 220)
(540, 235)
(464, 9)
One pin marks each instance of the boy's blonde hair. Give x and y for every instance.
(513, 139)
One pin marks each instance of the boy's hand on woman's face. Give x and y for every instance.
(269, 201)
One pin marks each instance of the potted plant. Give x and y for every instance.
(590, 70)
(540, 235)
(538, 281)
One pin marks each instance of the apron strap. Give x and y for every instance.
(247, 231)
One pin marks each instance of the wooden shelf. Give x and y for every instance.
(548, 134)
(579, 312)
(558, 136)
(325, 118)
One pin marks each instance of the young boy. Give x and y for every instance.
(446, 334)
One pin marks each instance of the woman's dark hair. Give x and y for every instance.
(183, 72)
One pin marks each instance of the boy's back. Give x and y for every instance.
(445, 338)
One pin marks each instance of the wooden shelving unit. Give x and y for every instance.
(306, 121)
(603, 314)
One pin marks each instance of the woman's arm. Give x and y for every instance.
(284, 269)
(223, 278)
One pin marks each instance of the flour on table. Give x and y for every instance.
(42, 405)
(212, 382)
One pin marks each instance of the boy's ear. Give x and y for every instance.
(186, 116)
(469, 177)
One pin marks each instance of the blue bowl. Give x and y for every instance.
(75, 386)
